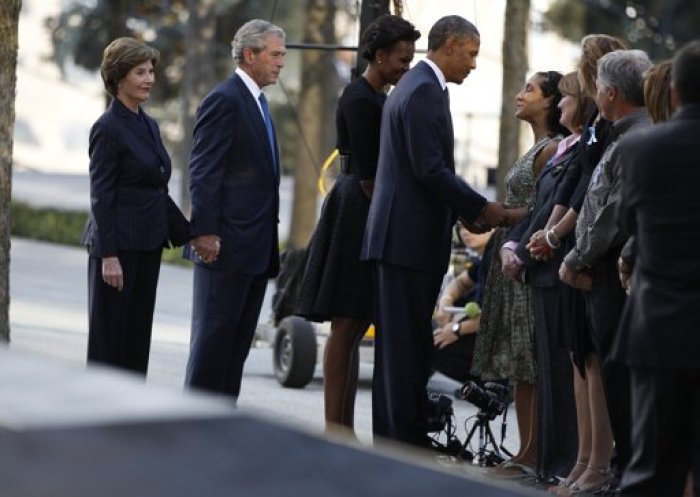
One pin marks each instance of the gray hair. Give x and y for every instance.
(253, 35)
(624, 70)
(448, 26)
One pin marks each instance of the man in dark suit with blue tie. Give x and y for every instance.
(417, 198)
(659, 335)
(234, 182)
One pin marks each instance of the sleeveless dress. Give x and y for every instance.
(505, 343)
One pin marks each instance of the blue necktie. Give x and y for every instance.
(268, 125)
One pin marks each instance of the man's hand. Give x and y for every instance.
(583, 281)
(494, 214)
(112, 272)
(567, 275)
(206, 247)
(625, 273)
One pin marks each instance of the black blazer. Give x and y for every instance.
(660, 325)
(130, 208)
(417, 195)
(551, 180)
(234, 180)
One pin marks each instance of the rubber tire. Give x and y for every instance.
(294, 353)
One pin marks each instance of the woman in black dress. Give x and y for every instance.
(336, 286)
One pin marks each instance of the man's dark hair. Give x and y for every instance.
(383, 33)
(685, 73)
(448, 26)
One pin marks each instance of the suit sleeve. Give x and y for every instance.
(425, 127)
(104, 172)
(213, 137)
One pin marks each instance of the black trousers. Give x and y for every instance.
(604, 305)
(404, 303)
(665, 433)
(120, 322)
(557, 436)
(225, 310)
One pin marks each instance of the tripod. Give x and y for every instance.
(489, 453)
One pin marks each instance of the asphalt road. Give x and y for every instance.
(48, 318)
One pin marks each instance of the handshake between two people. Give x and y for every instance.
(493, 215)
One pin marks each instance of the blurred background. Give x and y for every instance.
(59, 92)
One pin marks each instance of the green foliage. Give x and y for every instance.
(62, 226)
(81, 32)
(657, 26)
(47, 224)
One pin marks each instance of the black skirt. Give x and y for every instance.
(335, 282)
(574, 332)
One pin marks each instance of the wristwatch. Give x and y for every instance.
(455, 329)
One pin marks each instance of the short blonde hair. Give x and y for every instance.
(570, 85)
(120, 57)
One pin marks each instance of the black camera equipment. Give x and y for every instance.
(492, 400)
(441, 419)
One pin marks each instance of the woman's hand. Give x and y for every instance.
(509, 264)
(442, 337)
(112, 272)
(537, 246)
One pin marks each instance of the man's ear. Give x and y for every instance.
(248, 55)
(450, 43)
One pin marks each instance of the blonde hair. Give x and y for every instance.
(593, 47)
(569, 85)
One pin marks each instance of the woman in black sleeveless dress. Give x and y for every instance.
(336, 286)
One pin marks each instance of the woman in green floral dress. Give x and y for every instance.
(505, 344)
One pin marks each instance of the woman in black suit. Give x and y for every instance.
(132, 217)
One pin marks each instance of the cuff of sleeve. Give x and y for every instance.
(573, 261)
(510, 245)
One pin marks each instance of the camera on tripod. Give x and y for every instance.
(492, 399)
(440, 411)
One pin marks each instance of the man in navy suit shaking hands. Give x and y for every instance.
(417, 198)
(234, 183)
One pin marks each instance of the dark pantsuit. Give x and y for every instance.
(225, 310)
(604, 305)
(403, 351)
(557, 438)
(666, 436)
(120, 322)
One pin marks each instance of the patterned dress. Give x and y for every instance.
(505, 344)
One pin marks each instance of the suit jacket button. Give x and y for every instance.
(162, 169)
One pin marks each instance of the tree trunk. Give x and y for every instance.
(9, 20)
(199, 77)
(515, 67)
(317, 70)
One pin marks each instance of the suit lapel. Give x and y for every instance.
(255, 117)
(449, 130)
(152, 141)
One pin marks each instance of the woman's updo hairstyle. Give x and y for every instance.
(383, 33)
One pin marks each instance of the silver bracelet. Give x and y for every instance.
(552, 244)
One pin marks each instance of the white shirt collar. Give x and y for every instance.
(438, 73)
(251, 85)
